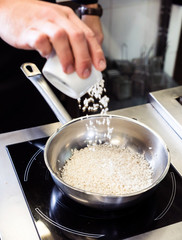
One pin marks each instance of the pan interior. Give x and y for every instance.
(118, 131)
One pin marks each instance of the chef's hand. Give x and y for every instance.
(42, 26)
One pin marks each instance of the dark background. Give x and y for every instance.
(22, 106)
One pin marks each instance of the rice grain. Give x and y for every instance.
(107, 170)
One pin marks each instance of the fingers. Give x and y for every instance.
(75, 44)
(60, 42)
(63, 49)
(46, 38)
(37, 40)
(96, 53)
(71, 46)
(80, 50)
(86, 39)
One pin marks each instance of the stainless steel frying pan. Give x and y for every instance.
(75, 134)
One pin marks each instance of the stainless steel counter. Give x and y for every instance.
(165, 102)
(15, 219)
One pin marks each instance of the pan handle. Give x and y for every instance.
(34, 75)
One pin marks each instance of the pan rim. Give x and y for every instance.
(133, 194)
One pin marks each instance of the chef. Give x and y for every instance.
(42, 26)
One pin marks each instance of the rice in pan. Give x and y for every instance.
(107, 170)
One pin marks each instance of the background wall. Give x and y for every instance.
(134, 22)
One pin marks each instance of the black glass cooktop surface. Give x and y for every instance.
(57, 217)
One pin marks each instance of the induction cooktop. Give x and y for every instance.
(58, 217)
